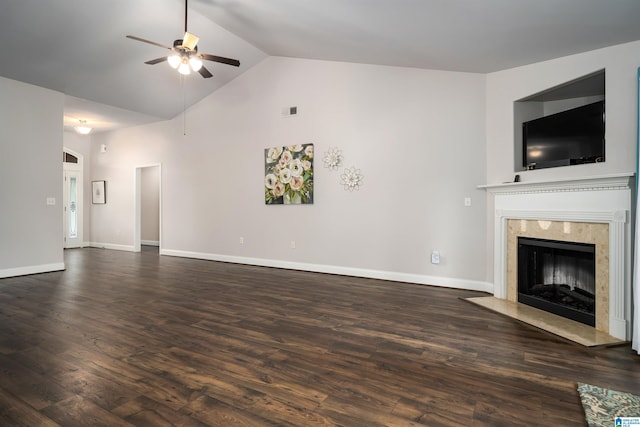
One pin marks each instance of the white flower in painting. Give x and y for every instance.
(285, 175)
(286, 157)
(296, 183)
(309, 151)
(332, 158)
(270, 181)
(295, 148)
(278, 189)
(351, 179)
(296, 167)
(273, 154)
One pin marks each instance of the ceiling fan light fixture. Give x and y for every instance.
(184, 55)
(184, 68)
(195, 62)
(174, 60)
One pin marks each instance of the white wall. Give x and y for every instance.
(423, 139)
(505, 87)
(417, 135)
(30, 172)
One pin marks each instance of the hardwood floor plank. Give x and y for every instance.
(34, 389)
(77, 411)
(140, 339)
(446, 410)
(213, 412)
(143, 411)
(14, 411)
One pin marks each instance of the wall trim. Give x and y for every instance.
(150, 242)
(446, 282)
(31, 269)
(116, 247)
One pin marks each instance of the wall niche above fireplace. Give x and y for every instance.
(561, 126)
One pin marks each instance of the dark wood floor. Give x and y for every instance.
(138, 339)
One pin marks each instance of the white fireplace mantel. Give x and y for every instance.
(601, 199)
(602, 182)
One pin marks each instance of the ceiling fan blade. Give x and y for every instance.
(190, 41)
(220, 59)
(204, 72)
(148, 41)
(156, 61)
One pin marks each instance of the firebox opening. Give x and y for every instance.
(558, 277)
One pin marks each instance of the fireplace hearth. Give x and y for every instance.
(558, 277)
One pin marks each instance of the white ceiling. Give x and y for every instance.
(78, 47)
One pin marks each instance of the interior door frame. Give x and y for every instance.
(137, 223)
(78, 169)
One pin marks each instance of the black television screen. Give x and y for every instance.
(570, 137)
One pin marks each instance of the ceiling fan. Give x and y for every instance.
(184, 54)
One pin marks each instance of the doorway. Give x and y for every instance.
(72, 199)
(148, 229)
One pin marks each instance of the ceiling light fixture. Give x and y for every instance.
(174, 60)
(195, 62)
(184, 66)
(185, 57)
(82, 128)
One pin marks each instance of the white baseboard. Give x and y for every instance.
(446, 282)
(31, 269)
(127, 248)
(150, 242)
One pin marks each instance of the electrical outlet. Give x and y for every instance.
(435, 257)
(467, 201)
(242, 240)
(51, 201)
(293, 244)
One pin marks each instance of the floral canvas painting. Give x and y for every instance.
(288, 175)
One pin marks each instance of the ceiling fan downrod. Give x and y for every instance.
(185, 15)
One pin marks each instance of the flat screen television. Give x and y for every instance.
(570, 137)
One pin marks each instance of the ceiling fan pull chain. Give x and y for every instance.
(184, 105)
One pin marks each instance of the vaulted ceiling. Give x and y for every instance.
(78, 47)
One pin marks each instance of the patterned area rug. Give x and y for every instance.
(603, 406)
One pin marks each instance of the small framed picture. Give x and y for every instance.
(98, 194)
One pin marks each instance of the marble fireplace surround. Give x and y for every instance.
(589, 210)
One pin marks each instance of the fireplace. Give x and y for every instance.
(589, 210)
(558, 277)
